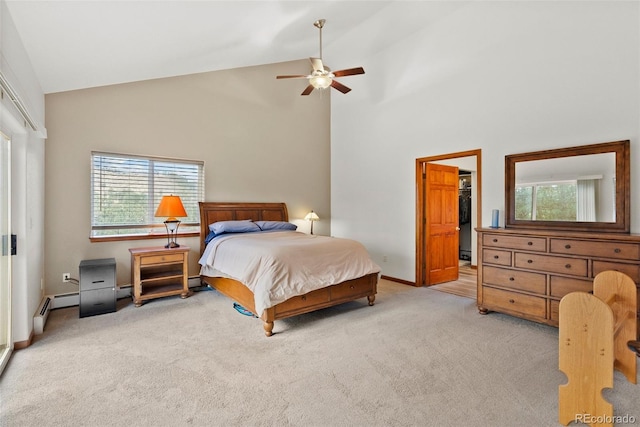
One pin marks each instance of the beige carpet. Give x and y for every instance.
(417, 358)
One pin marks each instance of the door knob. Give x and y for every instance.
(457, 228)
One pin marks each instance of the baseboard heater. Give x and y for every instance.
(41, 315)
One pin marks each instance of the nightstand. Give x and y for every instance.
(158, 272)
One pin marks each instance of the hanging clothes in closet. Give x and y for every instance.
(464, 206)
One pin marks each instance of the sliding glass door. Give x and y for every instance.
(6, 343)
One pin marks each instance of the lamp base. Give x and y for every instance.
(172, 245)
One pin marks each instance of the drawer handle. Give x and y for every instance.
(567, 266)
(98, 281)
(512, 301)
(512, 279)
(351, 287)
(303, 298)
(567, 246)
(530, 243)
(530, 261)
(495, 240)
(617, 250)
(496, 257)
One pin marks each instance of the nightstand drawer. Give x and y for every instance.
(159, 259)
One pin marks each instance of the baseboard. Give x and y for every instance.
(124, 291)
(394, 279)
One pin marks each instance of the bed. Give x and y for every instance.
(363, 286)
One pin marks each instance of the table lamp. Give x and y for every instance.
(311, 216)
(171, 207)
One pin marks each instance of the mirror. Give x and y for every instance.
(583, 188)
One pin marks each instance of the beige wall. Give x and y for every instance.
(260, 141)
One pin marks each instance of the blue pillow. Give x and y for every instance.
(209, 237)
(246, 226)
(275, 225)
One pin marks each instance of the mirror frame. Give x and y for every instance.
(623, 193)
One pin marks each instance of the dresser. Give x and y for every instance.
(526, 273)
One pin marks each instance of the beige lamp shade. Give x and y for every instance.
(171, 207)
(312, 216)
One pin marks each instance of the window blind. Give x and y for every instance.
(126, 191)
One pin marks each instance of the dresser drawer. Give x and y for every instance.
(631, 270)
(613, 250)
(514, 279)
(494, 256)
(552, 264)
(158, 259)
(560, 286)
(513, 302)
(537, 244)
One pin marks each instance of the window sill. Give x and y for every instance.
(137, 237)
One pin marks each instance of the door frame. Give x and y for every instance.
(422, 266)
(6, 335)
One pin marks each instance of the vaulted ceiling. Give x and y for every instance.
(88, 43)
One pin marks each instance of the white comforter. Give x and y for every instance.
(281, 264)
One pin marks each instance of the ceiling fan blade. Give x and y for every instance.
(300, 76)
(337, 85)
(308, 90)
(316, 63)
(349, 72)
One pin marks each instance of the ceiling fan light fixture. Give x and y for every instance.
(320, 81)
(321, 76)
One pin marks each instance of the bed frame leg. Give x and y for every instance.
(372, 299)
(268, 328)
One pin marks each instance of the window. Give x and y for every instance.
(549, 201)
(126, 190)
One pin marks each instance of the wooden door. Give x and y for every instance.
(442, 230)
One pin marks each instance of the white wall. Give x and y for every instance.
(505, 77)
(27, 178)
(259, 139)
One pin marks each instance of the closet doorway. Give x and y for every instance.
(431, 251)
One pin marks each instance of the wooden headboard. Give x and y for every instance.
(211, 212)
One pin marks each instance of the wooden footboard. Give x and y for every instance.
(350, 290)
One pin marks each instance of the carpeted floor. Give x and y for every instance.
(419, 357)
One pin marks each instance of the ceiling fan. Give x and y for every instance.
(321, 76)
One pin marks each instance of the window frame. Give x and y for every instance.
(157, 230)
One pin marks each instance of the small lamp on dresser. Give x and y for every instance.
(171, 207)
(313, 217)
